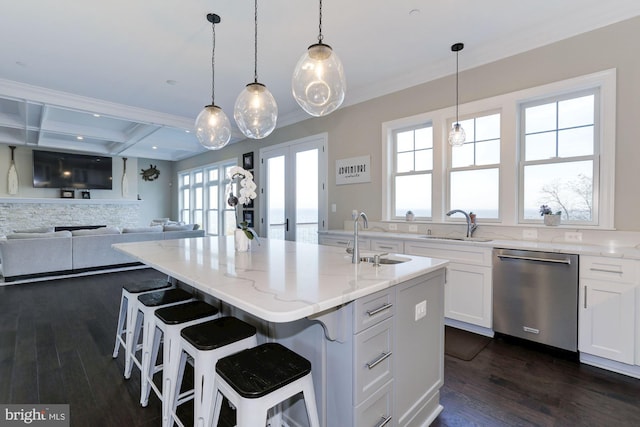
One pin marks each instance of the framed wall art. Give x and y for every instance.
(247, 161)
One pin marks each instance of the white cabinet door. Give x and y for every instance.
(468, 286)
(607, 319)
(467, 295)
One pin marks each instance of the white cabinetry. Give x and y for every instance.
(388, 366)
(607, 308)
(468, 286)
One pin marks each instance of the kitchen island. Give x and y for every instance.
(374, 334)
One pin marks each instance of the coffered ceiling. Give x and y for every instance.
(129, 77)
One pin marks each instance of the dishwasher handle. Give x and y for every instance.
(529, 258)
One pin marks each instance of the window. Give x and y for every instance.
(559, 152)
(412, 172)
(202, 196)
(551, 144)
(474, 174)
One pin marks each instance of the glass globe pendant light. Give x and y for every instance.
(213, 128)
(256, 111)
(457, 135)
(318, 82)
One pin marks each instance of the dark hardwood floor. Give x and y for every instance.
(56, 340)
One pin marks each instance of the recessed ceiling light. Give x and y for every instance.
(187, 131)
(414, 12)
(172, 82)
(154, 147)
(79, 137)
(21, 64)
(96, 115)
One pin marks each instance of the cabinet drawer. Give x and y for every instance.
(343, 242)
(391, 246)
(464, 254)
(609, 269)
(372, 309)
(377, 410)
(372, 359)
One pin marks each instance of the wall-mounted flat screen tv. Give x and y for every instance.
(67, 170)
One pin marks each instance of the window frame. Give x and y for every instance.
(395, 173)
(450, 169)
(222, 184)
(594, 158)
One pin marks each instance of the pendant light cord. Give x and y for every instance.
(320, 36)
(213, 64)
(457, 98)
(255, 42)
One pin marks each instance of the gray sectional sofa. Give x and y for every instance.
(25, 255)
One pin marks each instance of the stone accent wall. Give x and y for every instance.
(17, 214)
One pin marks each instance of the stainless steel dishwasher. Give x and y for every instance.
(535, 296)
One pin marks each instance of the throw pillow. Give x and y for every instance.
(152, 229)
(39, 235)
(36, 230)
(186, 227)
(96, 231)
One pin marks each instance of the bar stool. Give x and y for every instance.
(169, 323)
(257, 379)
(147, 305)
(128, 314)
(205, 343)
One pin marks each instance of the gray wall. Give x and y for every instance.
(356, 130)
(156, 195)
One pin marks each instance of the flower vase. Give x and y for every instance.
(552, 219)
(242, 242)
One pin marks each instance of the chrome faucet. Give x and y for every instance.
(355, 256)
(471, 227)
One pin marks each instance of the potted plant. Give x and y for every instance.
(550, 217)
(243, 233)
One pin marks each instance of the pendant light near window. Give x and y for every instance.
(213, 129)
(318, 82)
(457, 134)
(256, 111)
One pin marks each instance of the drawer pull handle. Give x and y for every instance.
(604, 270)
(340, 242)
(383, 421)
(385, 247)
(379, 360)
(379, 309)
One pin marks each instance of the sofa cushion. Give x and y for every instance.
(185, 227)
(151, 229)
(53, 234)
(36, 230)
(159, 221)
(96, 231)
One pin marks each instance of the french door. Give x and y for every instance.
(293, 189)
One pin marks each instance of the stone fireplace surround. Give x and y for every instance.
(23, 213)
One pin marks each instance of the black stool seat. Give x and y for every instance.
(217, 333)
(260, 370)
(186, 312)
(169, 296)
(146, 286)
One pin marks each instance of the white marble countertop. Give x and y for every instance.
(614, 251)
(277, 281)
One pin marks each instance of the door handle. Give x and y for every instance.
(286, 226)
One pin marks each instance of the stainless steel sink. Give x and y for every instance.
(384, 261)
(462, 239)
